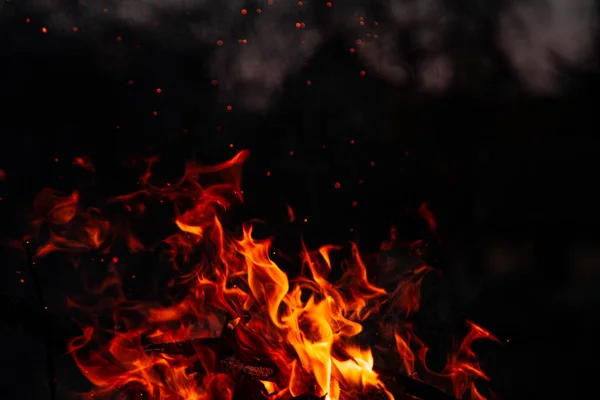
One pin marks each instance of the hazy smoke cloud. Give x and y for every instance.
(272, 48)
(258, 51)
(535, 34)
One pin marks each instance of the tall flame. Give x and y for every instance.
(295, 336)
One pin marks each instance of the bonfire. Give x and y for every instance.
(239, 327)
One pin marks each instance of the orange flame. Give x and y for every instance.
(295, 336)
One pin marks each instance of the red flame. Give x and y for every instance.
(295, 336)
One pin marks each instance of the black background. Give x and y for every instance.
(512, 181)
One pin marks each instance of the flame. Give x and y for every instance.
(292, 335)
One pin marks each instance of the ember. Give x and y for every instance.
(243, 329)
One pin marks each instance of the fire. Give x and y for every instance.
(242, 320)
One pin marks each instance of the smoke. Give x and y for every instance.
(275, 46)
(260, 44)
(537, 34)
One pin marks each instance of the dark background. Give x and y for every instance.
(511, 179)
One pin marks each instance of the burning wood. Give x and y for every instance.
(260, 373)
(401, 386)
(234, 366)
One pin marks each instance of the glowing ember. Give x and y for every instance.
(242, 319)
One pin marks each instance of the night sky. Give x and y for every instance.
(356, 113)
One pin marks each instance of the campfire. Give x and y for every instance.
(234, 325)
